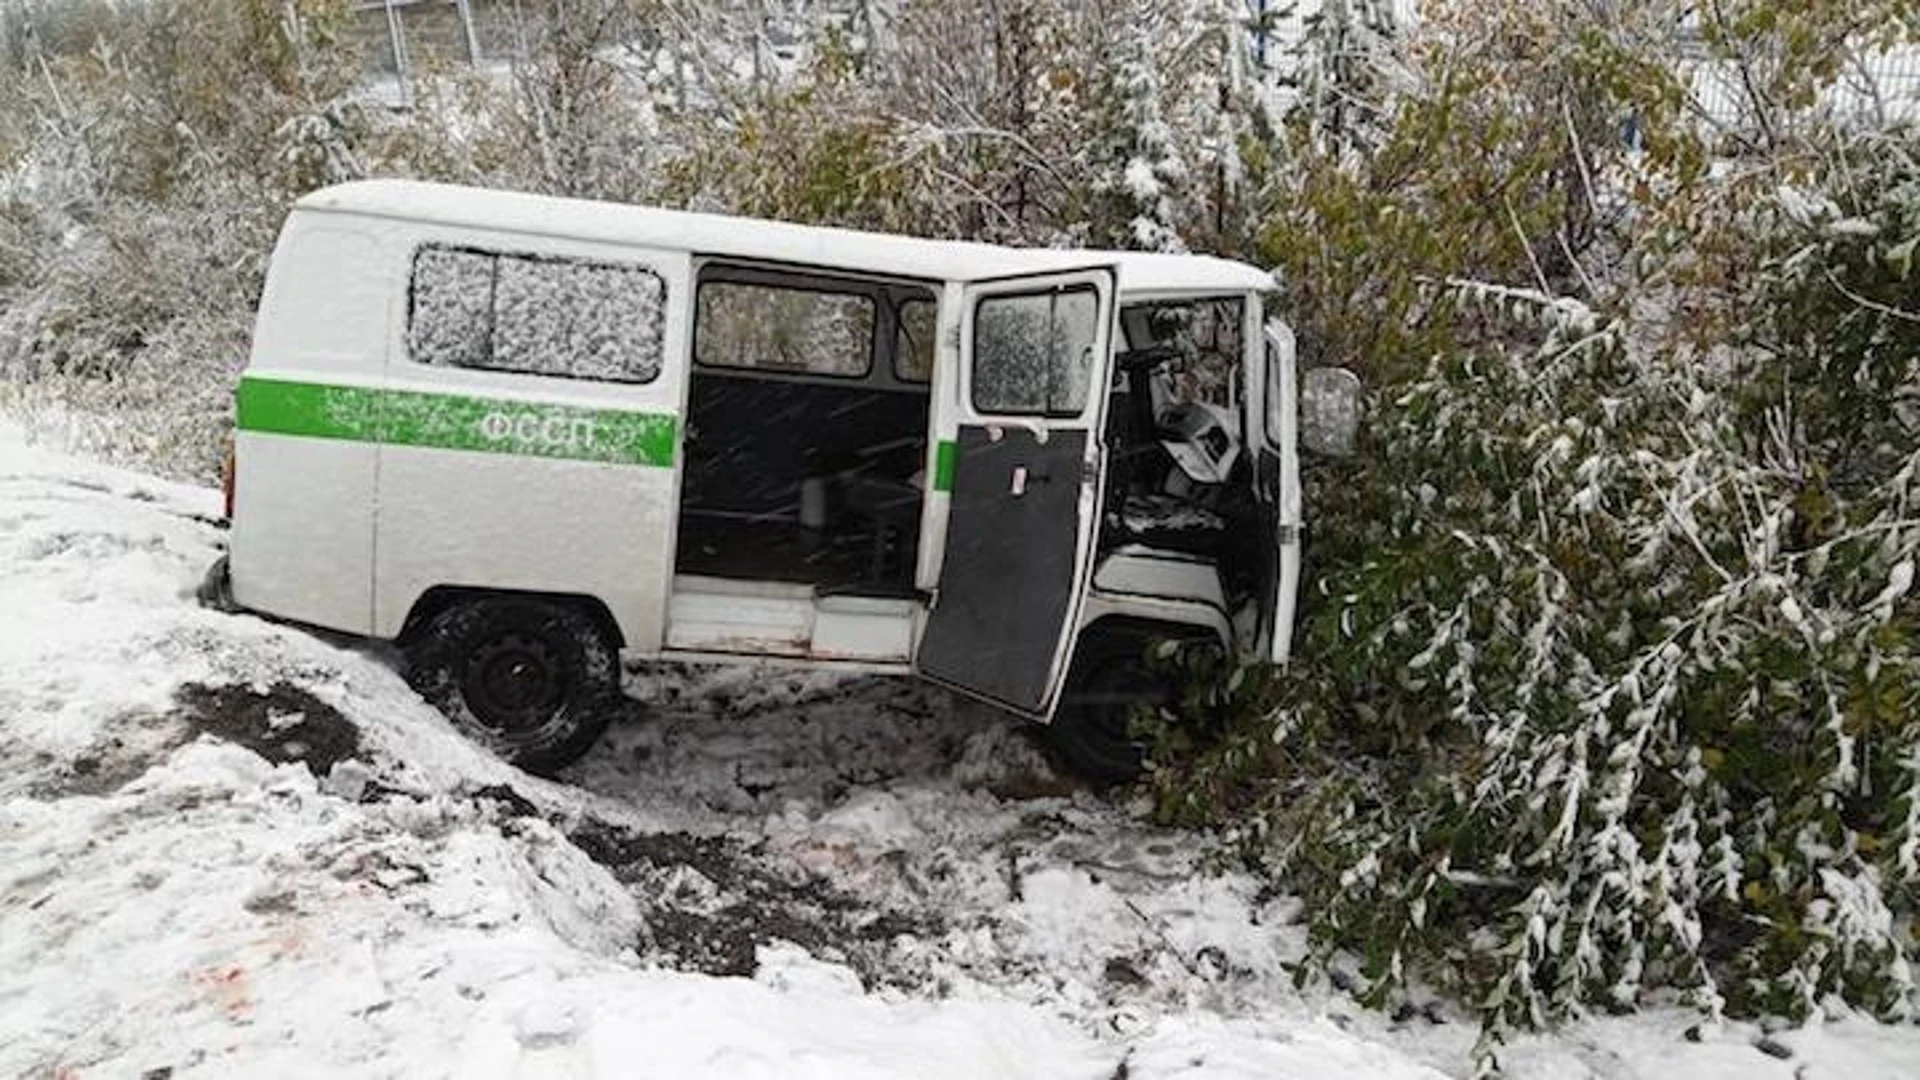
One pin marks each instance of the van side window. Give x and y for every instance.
(536, 315)
(913, 353)
(451, 317)
(799, 331)
(1032, 352)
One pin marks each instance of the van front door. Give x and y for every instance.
(1036, 360)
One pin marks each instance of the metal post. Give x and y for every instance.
(465, 10)
(397, 36)
(1260, 32)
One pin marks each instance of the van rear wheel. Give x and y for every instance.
(533, 680)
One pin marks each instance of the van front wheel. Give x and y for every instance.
(533, 680)
(1092, 730)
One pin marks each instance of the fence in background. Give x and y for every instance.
(400, 37)
(1876, 88)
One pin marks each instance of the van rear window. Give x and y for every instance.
(536, 315)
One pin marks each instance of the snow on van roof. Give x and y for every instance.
(775, 241)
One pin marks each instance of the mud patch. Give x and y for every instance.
(282, 723)
(748, 741)
(507, 802)
(711, 901)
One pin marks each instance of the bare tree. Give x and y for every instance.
(581, 111)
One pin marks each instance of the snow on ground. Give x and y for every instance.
(231, 848)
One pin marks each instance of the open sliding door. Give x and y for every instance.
(1036, 363)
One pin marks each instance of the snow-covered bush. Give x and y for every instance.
(152, 171)
(1039, 122)
(816, 147)
(1607, 684)
(580, 120)
(1612, 681)
(131, 336)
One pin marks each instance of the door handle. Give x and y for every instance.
(1023, 478)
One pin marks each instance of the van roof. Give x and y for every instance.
(776, 241)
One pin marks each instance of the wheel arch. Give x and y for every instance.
(441, 597)
(1110, 613)
(1125, 624)
(1111, 676)
(1147, 629)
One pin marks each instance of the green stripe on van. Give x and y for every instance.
(944, 457)
(455, 422)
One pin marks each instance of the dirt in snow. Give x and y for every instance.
(282, 723)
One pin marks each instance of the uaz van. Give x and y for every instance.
(521, 436)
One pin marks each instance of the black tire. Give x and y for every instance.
(1091, 730)
(533, 680)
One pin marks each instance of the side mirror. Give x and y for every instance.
(1330, 411)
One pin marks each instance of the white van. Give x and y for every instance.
(521, 436)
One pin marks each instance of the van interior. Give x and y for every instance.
(807, 422)
(1175, 354)
(1177, 380)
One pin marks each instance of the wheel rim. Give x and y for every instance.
(514, 684)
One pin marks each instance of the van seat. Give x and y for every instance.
(1167, 522)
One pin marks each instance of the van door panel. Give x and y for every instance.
(1024, 506)
(1006, 586)
(302, 539)
(306, 444)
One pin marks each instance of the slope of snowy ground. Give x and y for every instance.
(233, 848)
